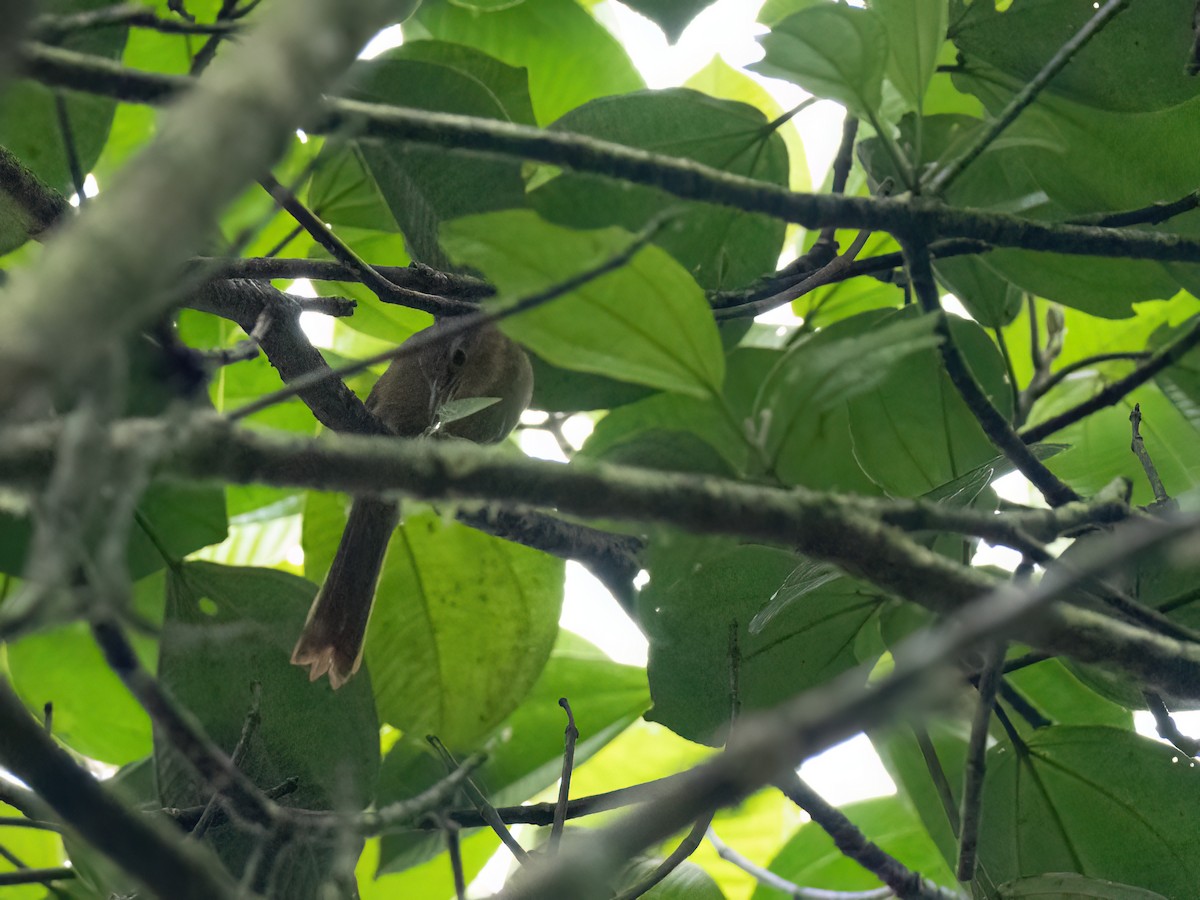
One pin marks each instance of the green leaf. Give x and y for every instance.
(821, 375)
(524, 752)
(719, 79)
(1104, 803)
(719, 422)
(836, 52)
(1131, 65)
(424, 187)
(463, 622)
(721, 247)
(1055, 691)
(93, 712)
(570, 56)
(914, 432)
(701, 592)
(810, 857)
(672, 16)
(227, 629)
(915, 29)
(647, 322)
(992, 300)
(556, 389)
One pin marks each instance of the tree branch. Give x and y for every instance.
(813, 523)
(683, 178)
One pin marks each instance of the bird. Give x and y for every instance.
(409, 400)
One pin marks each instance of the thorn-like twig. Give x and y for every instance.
(1138, 446)
(481, 802)
(570, 736)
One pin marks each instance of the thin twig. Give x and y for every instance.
(1022, 707)
(685, 849)
(825, 275)
(994, 425)
(571, 735)
(1027, 94)
(1154, 214)
(456, 863)
(338, 249)
(486, 810)
(937, 774)
(1138, 446)
(976, 763)
(682, 178)
(1053, 379)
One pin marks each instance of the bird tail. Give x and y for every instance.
(332, 639)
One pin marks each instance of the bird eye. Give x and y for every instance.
(458, 358)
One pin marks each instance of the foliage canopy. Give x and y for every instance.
(806, 502)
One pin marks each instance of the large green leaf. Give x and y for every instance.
(804, 398)
(647, 322)
(571, 58)
(704, 591)
(424, 187)
(1132, 64)
(1104, 803)
(838, 52)
(913, 432)
(227, 629)
(721, 247)
(524, 752)
(463, 622)
(714, 420)
(811, 859)
(916, 29)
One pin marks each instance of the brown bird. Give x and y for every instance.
(409, 400)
